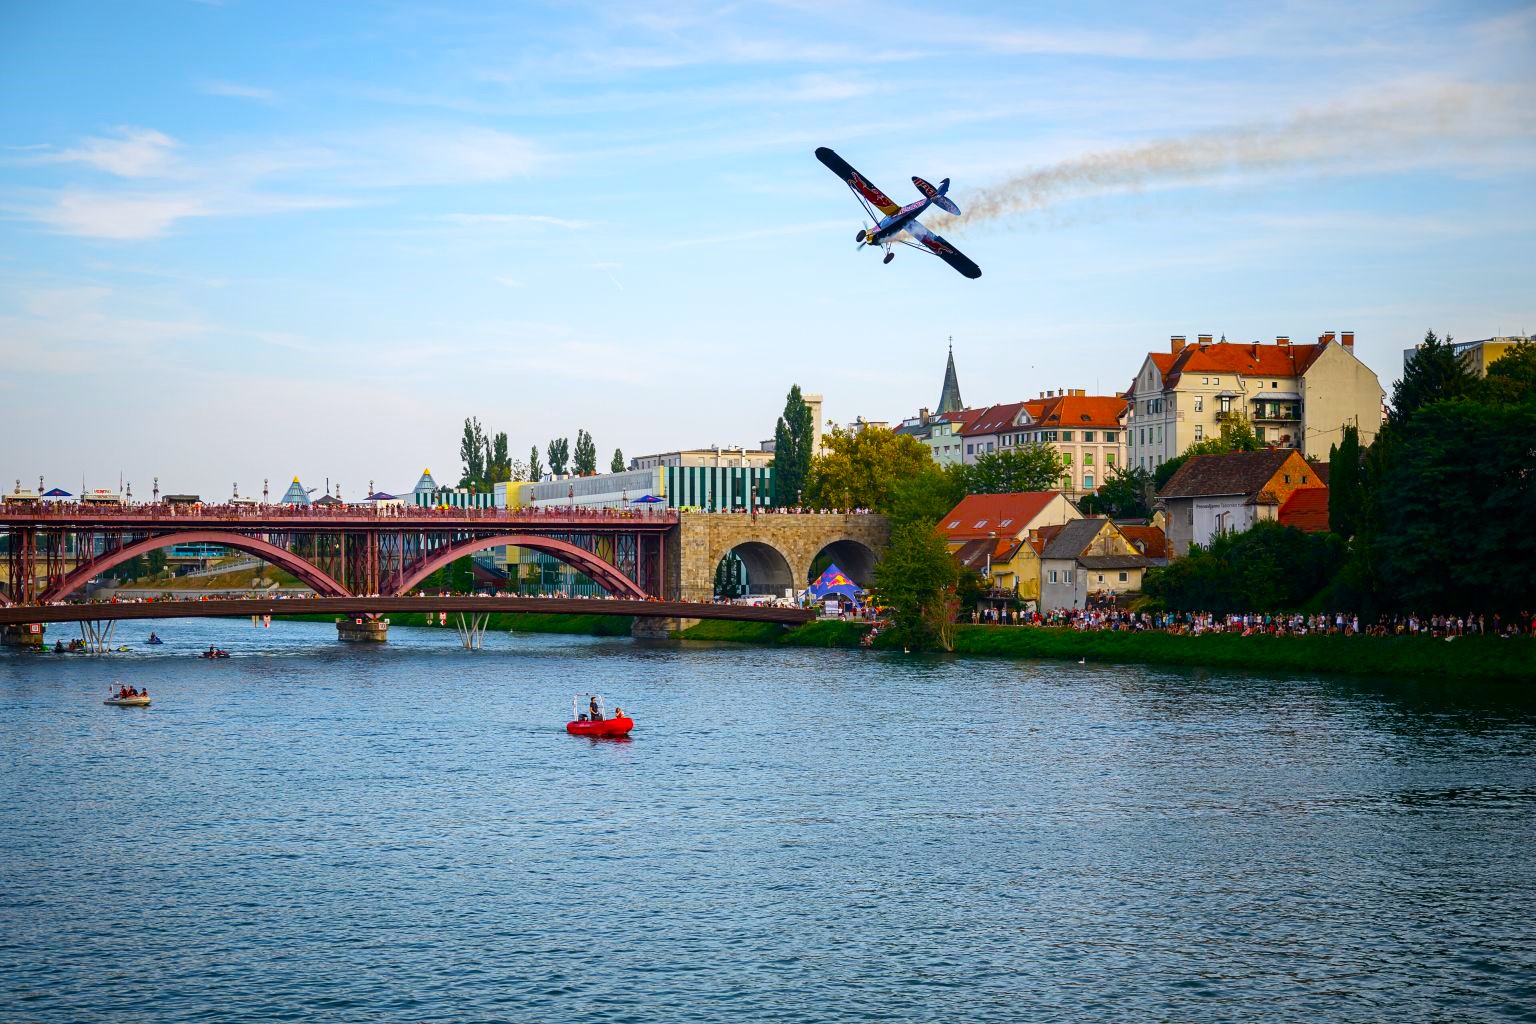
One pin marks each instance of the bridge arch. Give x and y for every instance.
(604, 574)
(318, 581)
(854, 557)
(768, 570)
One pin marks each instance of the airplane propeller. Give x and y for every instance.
(862, 236)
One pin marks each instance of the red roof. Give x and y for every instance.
(1003, 515)
(993, 419)
(1149, 540)
(1250, 360)
(1306, 509)
(1089, 411)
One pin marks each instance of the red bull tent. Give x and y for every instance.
(834, 581)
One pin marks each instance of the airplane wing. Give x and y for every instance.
(856, 181)
(941, 248)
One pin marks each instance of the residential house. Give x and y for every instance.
(1477, 356)
(1087, 557)
(988, 532)
(1211, 494)
(986, 431)
(1296, 396)
(1088, 431)
(1306, 509)
(940, 432)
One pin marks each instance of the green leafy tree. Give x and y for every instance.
(535, 467)
(916, 580)
(1457, 508)
(1267, 568)
(559, 456)
(155, 561)
(1512, 377)
(1124, 494)
(472, 452)
(793, 438)
(1345, 492)
(586, 454)
(1433, 373)
(617, 465)
(499, 465)
(1030, 467)
(861, 468)
(927, 495)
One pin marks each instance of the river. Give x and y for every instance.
(318, 831)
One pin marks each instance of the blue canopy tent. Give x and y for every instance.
(57, 492)
(835, 582)
(647, 499)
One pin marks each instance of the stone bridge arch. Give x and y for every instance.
(704, 538)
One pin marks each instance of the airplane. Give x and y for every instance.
(900, 219)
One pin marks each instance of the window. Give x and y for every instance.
(1143, 432)
(1303, 478)
(1066, 483)
(1087, 435)
(1199, 403)
(1123, 578)
(1159, 433)
(1216, 381)
(1067, 576)
(1005, 522)
(1258, 433)
(1287, 478)
(1087, 481)
(1205, 380)
(989, 446)
(1087, 458)
(1226, 404)
(1053, 575)
(980, 523)
(955, 525)
(1066, 435)
(1109, 458)
(1199, 431)
(1190, 516)
(970, 449)
(1066, 458)
(1101, 577)
(1274, 385)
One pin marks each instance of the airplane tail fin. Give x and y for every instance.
(937, 194)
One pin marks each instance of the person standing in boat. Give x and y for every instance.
(593, 710)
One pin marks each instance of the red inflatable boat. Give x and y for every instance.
(594, 720)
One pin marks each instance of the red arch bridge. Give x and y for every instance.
(53, 552)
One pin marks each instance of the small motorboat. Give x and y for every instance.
(595, 721)
(128, 702)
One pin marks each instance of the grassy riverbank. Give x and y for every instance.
(1484, 658)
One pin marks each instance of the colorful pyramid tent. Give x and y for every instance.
(834, 581)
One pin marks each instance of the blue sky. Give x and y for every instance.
(245, 240)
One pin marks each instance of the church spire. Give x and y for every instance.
(949, 400)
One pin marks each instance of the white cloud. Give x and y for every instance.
(140, 215)
(513, 219)
(235, 90)
(130, 153)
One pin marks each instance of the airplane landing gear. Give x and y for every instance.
(888, 257)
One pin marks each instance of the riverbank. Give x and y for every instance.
(1468, 657)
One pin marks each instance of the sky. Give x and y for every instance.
(250, 240)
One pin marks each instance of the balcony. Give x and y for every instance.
(1276, 407)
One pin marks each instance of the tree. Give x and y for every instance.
(1432, 373)
(535, 468)
(1268, 567)
(155, 560)
(1124, 494)
(861, 468)
(559, 456)
(916, 579)
(1030, 467)
(586, 454)
(499, 465)
(1344, 484)
(926, 496)
(1512, 377)
(617, 465)
(793, 438)
(472, 450)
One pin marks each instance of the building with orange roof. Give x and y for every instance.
(1296, 396)
(1088, 431)
(1214, 494)
(990, 533)
(1306, 509)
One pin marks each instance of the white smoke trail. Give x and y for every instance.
(1439, 125)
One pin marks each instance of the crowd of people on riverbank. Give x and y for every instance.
(1267, 623)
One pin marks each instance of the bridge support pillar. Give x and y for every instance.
(659, 627)
(26, 634)
(471, 629)
(365, 628)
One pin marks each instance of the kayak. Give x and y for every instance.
(128, 702)
(617, 726)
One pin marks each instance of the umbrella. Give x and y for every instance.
(57, 492)
(647, 499)
(380, 496)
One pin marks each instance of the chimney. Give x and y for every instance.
(1347, 339)
(1205, 340)
(1284, 339)
(1325, 339)
(1176, 344)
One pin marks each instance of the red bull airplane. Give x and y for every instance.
(893, 221)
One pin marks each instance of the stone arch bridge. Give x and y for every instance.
(778, 549)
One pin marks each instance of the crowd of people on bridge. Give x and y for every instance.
(240, 511)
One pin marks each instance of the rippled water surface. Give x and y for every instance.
(313, 831)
